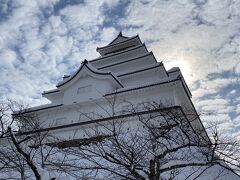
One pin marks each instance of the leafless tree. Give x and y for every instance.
(151, 142)
(147, 141)
(21, 154)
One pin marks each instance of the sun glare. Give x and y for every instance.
(184, 65)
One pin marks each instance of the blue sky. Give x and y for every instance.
(42, 40)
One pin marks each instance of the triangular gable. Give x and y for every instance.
(118, 39)
(119, 43)
(89, 68)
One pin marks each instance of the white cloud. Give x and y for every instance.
(216, 106)
(7, 58)
(188, 32)
(201, 38)
(37, 49)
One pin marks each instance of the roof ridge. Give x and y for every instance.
(120, 52)
(92, 69)
(119, 35)
(128, 60)
(117, 43)
(158, 64)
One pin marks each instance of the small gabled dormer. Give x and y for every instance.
(87, 83)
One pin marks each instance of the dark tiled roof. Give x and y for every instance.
(141, 70)
(129, 60)
(49, 92)
(129, 39)
(121, 52)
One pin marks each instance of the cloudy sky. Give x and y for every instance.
(41, 40)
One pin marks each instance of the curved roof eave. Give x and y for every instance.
(158, 64)
(119, 35)
(93, 70)
(137, 36)
(117, 53)
(50, 91)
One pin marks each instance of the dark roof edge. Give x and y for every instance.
(119, 34)
(61, 84)
(169, 72)
(50, 92)
(190, 100)
(39, 109)
(145, 69)
(154, 57)
(107, 73)
(188, 90)
(129, 60)
(165, 70)
(99, 120)
(120, 52)
(129, 39)
(85, 63)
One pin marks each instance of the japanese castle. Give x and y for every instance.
(125, 73)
